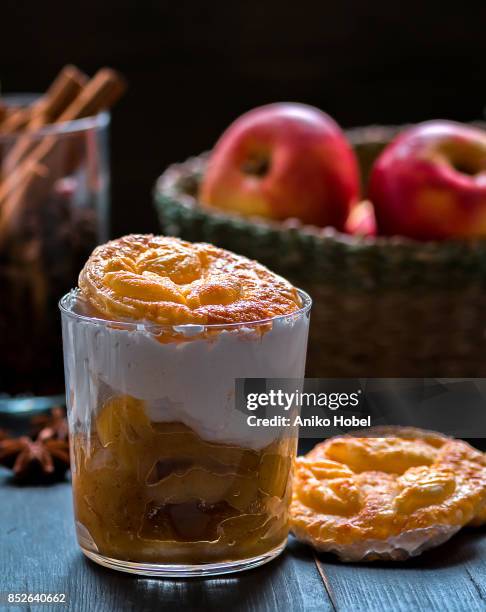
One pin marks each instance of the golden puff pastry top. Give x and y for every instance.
(169, 281)
(352, 492)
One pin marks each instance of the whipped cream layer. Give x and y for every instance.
(192, 382)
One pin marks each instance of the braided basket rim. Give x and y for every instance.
(169, 186)
(390, 306)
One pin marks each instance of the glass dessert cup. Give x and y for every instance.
(55, 220)
(168, 477)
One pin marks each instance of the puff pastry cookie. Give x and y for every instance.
(170, 282)
(388, 494)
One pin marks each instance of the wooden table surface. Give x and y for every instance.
(38, 553)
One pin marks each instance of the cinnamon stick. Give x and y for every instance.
(64, 89)
(101, 92)
(16, 120)
(33, 176)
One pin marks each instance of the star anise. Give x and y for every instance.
(55, 422)
(39, 460)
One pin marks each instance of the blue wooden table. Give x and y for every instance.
(38, 554)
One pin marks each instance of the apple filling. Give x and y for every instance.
(156, 492)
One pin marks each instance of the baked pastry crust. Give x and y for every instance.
(170, 282)
(390, 493)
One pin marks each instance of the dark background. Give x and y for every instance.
(194, 66)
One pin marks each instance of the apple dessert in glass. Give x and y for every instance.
(169, 479)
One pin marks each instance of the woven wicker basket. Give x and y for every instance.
(382, 306)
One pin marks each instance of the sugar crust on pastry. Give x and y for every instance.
(386, 497)
(168, 281)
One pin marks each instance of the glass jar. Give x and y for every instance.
(169, 479)
(53, 212)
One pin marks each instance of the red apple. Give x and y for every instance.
(283, 160)
(430, 182)
(361, 220)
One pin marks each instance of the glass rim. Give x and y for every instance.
(100, 120)
(178, 327)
